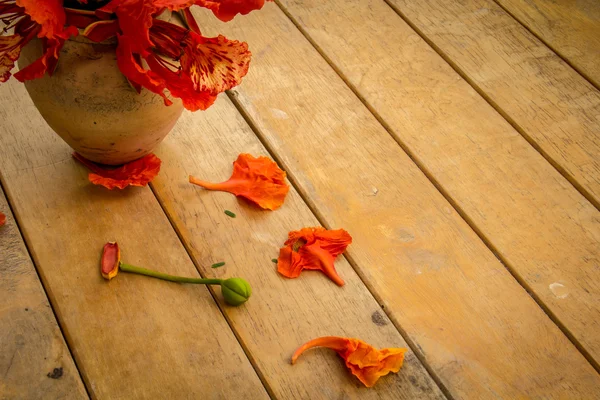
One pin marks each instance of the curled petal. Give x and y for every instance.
(364, 361)
(313, 249)
(109, 263)
(99, 31)
(136, 173)
(2, 218)
(259, 180)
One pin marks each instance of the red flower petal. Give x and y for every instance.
(99, 31)
(215, 64)
(257, 179)
(47, 62)
(132, 69)
(2, 218)
(226, 10)
(315, 249)
(49, 14)
(135, 173)
(364, 361)
(209, 66)
(135, 20)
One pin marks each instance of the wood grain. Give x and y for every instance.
(282, 313)
(550, 103)
(133, 337)
(31, 343)
(481, 333)
(570, 28)
(546, 231)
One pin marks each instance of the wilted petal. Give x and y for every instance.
(364, 361)
(10, 49)
(313, 249)
(259, 180)
(136, 173)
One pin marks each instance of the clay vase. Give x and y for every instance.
(90, 104)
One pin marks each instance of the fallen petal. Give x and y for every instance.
(136, 173)
(259, 180)
(364, 361)
(313, 249)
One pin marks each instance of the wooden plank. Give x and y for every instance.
(570, 28)
(283, 313)
(132, 337)
(32, 346)
(553, 106)
(477, 328)
(543, 229)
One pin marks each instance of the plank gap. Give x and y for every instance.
(9, 202)
(434, 181)
(561, 170)
(586, 76)
(247, 352)
(314, 210)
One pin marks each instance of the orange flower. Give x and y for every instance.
(313, 248)
(135, 173)
(2, 218)
(364, 361)
(257, 179)
(111, 258)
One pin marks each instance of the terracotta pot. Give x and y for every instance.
(91, 105)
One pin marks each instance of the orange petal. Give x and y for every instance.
(135, 173)
(2, 218)
(364, 361)
(257, 179)
(315, 249)
(331, 342)
(111, 257)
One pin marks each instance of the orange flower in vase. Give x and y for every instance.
(127, 67)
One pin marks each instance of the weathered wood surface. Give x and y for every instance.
(540, 225)
(32, 346)
(552, 105)
(570, 28)
(133, 337)
(282, 313)
(475, 325)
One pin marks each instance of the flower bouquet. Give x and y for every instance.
(112, 77)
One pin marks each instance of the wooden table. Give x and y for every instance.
(457, 141)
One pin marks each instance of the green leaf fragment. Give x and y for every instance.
(217, 265)
(274, 260)
(229, 213)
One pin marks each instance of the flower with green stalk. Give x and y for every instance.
(236, 291)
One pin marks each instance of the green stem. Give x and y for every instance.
(166, 277)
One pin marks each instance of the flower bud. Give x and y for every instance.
(236, 291)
